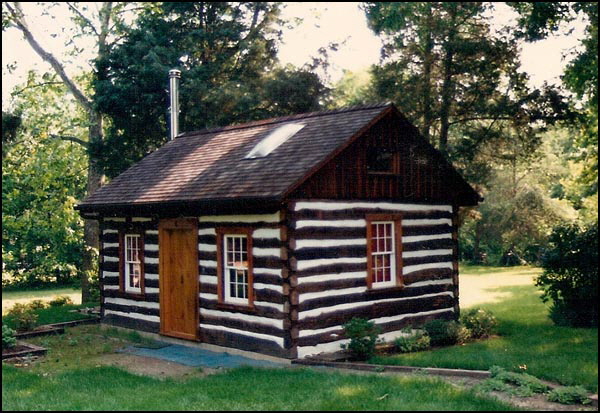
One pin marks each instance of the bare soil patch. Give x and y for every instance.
(537, 402)
(148, 366)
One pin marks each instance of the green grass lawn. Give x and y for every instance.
(48, 315)
(527, 339)
(9, 298)
(108, 388)
(52, 315)
(71, 377)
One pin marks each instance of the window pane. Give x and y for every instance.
(382, 252)
(381, 245)
(241, 276)
(236, 266)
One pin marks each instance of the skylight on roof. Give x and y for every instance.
(273, 140)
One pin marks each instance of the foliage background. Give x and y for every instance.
(531, 152)
(43, 177)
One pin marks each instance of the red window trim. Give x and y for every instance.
(122, 246)
(397, 220)
(221, 232)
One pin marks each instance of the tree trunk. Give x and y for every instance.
(95, 174)
(446, 102)
(476, 244)
(91, 230)
(447, 85)
(427, 65)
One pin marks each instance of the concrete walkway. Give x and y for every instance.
(198, 357)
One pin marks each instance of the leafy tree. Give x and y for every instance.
(460, 83)
(521, 205)
(104, 26)
(353, 89)
(456, 79)
(537, 20)
(42, 177)
(227, 55)
(446, 69)
(570, 277)
(10, 124)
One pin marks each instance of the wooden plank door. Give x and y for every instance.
(178, 277)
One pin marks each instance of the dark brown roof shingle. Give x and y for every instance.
(210, 164)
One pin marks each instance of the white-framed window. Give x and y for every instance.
(383, 254)
(236, 269)
(132, 265)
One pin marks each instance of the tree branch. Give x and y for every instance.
(18, 92)
(493, 118)
(19, 19)
(71, 139)
(82, 17)
(105, 13)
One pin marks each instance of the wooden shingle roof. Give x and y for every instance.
(210, 165)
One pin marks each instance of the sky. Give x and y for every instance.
(323, 22)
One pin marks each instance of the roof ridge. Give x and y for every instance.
(286, 118)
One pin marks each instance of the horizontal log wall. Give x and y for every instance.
(329, 259)
(141, 313)
(265, 328)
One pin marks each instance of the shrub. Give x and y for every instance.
(60, 300)
(94, 290)
(442, 332)
(569, 395)
(480, 322)
(528, 382)
(570, 277)
(37, 304)
(23, 316)
(8, 337)
(463, 334)
(363, 338)
(411, 341)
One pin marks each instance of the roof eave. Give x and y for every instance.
(225, 206)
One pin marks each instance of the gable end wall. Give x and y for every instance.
(419, 172)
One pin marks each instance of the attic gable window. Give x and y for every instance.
(274, 139)
(380, 160)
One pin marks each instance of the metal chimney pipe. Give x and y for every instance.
(174, 76)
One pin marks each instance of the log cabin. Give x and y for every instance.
(268, 236)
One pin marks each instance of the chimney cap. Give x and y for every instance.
(174, 73)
